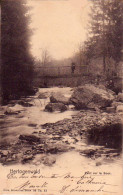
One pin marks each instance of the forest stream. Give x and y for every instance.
(34, 137)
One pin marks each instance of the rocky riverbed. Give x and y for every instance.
(30, 135)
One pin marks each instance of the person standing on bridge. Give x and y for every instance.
(72, 67)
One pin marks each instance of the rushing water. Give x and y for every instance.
(72, 162)
(31, 117)
(30, 120)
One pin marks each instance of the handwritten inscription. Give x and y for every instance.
(34, 181)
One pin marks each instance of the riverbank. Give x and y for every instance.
(92, 134)
(30, 135)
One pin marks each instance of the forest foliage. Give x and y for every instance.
(17, 62)
(105, 32)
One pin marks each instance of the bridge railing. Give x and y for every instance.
(61, 70)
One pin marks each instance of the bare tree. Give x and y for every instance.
(45, 57)
(81, 54)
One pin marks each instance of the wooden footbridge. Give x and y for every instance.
(61, 71)
(60, 75)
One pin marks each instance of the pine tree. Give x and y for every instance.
(114, 30)
(105, 35)
(17, 63)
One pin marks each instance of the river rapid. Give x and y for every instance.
(34, 120)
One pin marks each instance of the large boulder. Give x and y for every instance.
(59, 98)
(115, 104)
(52, 107)
(48, 160)
(42, 96)
(24, 103)
(119, 108)
(120, 97)
(111, 109)
(54, 148)
(13, 110)
(29, 138)
(90, 96)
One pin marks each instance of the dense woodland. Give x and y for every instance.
(105, 33)
(104, 44)
(17, 63)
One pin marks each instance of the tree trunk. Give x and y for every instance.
(104, 63)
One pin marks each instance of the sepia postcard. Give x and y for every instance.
(61, 97)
